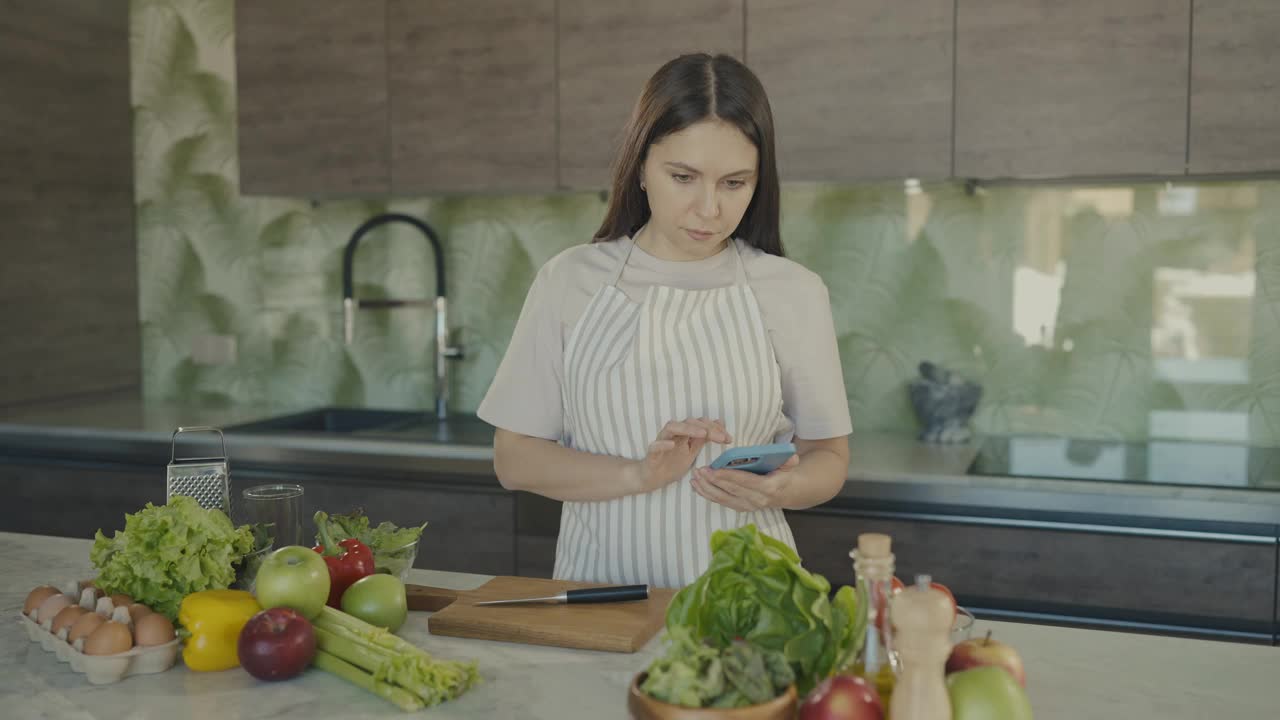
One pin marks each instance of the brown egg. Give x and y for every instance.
(51, 607)
(66, 617)
(152, 629)
(83, 626)
(38, 596)
(137, 610)
(121, 600)
(109, 639)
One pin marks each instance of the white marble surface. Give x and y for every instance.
(1072, 674)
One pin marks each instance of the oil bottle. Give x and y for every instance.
(876, 662)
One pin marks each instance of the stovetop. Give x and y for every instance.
(1160, 462)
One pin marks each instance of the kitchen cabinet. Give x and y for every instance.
(74, 499)
(471, 526)
(1086, 88)
(473, 102)
(607, 49)
(69, 279)
(860, 90)
(312, 99)
(1079, 575)
(1235, 87)
(537, 528)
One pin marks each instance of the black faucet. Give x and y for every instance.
(444, 351)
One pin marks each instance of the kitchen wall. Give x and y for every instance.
(1122, 311)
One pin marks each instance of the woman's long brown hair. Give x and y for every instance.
(682, 92)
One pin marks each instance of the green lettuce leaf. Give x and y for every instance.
(166, 552)
(756, 590)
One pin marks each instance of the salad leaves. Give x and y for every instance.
(166, 552)
(394, 548)
(701, 675)
(756, 590)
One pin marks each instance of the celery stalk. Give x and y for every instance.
(392, 659)
(404, 700)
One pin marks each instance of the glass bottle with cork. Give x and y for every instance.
(876, 661)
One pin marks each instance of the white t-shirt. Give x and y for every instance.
(525, 395)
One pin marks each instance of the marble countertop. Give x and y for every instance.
(885, 467)
(1072, 674)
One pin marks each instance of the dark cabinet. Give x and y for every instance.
(607, 49)
(1235, 86)
(537, 527)
(71, 499)
(312, 97)
(1056, 89)
(860, 89)
(473, 102)
(1101, 574)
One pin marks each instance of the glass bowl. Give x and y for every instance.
(399, 561)
(962, 627)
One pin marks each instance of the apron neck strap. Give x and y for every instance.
(739, 272)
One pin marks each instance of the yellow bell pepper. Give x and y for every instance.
(214, 619)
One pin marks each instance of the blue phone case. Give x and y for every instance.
(759, 459)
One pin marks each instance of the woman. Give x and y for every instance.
(679, 332)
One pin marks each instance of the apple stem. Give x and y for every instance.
(987, 640)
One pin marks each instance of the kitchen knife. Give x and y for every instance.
(616, 593)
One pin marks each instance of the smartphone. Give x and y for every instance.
(758, 459)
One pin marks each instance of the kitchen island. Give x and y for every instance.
(1073, 674)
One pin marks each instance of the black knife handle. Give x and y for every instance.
(617, 593)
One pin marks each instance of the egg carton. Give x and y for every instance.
(101, 669)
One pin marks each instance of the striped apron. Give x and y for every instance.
(629, 369)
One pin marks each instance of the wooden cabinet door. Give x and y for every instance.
(607, 50)
(312, 97)
(1046, 88)
(860, 89)
(1117, 576)
(1235, 87)
(69, 278)
(473, 103)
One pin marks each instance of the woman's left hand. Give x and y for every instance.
(741, 490)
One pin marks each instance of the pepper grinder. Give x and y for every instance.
(922, 622)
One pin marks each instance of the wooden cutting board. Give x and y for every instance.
(615, 627)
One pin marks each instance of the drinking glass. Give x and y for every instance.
(280, 507)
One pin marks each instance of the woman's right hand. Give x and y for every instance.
(673, 453)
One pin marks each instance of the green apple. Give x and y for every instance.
(293, 577)
(377, 599)
(987, 693)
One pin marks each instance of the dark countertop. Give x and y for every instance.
(889, 472)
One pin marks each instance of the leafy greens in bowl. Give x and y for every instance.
(756, 590)
(394, 548)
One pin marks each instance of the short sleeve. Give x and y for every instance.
(525, 394)
(813, 390)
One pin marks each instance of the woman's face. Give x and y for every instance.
(699, 182)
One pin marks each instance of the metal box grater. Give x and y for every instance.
(205, 479)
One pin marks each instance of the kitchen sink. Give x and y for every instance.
(407, 425)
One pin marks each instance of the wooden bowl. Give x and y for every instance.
(644, 707)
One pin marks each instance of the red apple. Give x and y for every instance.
(842, 697)
(981, 652)
(276, 644)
